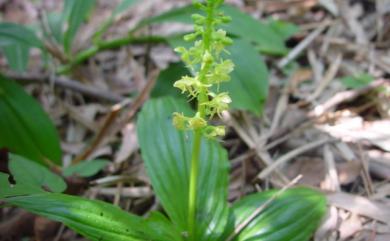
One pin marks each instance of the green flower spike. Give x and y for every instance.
(205, 61)
(209, 69)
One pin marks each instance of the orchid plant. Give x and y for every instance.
(187, 166)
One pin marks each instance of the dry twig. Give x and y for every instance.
(288, 156)
(113, 115)
(66, 83)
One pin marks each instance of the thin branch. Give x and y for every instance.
(115, 110)
(86, 54)
(303, 45)
(261, 153)
(67, 83)
(325, 81)
(321, 109)
(102, 131)
(289, 155)
(345, 96)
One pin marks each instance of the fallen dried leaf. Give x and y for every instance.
(360, 205)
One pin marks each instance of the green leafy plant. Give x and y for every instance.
(85, 168)
(26, 131)
(249, 86)
(357, 80)
(57, 38)
(187, 166)
(30, 178)
(56, 43)
(209, 68)
(15, 42)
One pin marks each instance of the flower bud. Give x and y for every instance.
(207, 57)
(196, 122)
(180, 50)
(214, 131)
(198, 19)
(179, 121)
(199, 5)
(226, 19)
(190, 37)
(227, 41)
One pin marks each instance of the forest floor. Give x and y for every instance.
(327, 116)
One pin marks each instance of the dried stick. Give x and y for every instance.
(289, 155)
(329, 76)
(321, 109)
(302, 45)
(345, 96)
(114, 113)
(262, 154)
(102, 131)
(331, 166)
(68, 84)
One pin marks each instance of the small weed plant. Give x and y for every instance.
(187, 166)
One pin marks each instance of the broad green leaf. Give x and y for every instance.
(12, 33)
(24, 126)
(292, 216)
(252, 30)
(284, 29)
(30, 173)
(85, 168)
(29, 177)
(182, 14)
(357, 81)
(161, 229)
(242, 25)
(166, 152)
(123, 6)
(17, 56)
(120, 8)
(75, 12)
(248, 86)
(55, 22)
(15, 42)
(11, 190)
(96, 220)
(166, 79)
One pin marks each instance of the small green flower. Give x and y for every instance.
(221, 72)
(221, 40)
(179, 121)
(196, 122)
(219, 103)
(199, 20)
(207, 58)
(214, 131)
(192, 36)
(189, 84)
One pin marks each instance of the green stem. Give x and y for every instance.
(104, 45)
(194, 183)
(202, 98)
